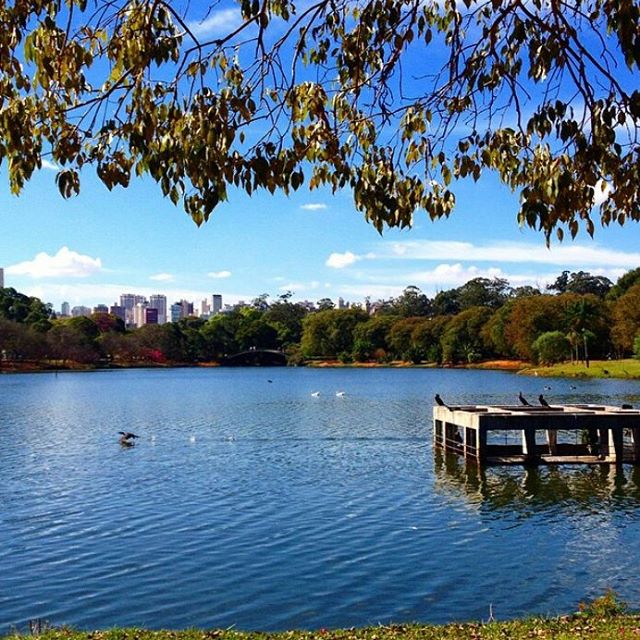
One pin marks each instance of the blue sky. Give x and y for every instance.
(92, 248)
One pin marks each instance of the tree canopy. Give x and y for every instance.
(392, 99)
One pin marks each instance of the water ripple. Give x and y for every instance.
(259, 506)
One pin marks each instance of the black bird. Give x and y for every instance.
(523, 400)
(542, 401)
(126, 438)
(440, 401)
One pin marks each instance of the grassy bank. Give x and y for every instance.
(603, 619)
(620, 627)
(629, 369)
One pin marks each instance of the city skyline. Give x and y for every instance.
(91, 248)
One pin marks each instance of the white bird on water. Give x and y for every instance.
(315, 394)
(340, 394)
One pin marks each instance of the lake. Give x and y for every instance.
(248, 502)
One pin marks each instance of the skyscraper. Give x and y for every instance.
(217, 303)
(65, 309)
(1, 278)
(159, 302)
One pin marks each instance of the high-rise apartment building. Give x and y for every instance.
(65, 309)
(216, 307)
(139, 314)
(129, 301)
(159, 302)
(80, 310)
(1, 278)
(117, 311)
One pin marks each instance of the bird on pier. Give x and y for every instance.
(523, 400)
(127, 438)
(542, 401)
(627, 406)
(439, 401)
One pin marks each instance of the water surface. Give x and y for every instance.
(249, 502)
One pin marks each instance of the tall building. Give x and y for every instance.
(205, 310)
(80, 311)
(176, 312)
(159, 302)
(216, 307)
(139, 314)
(101, 308)
(65, 309)
(150, 316)
(129, 301)
(118, 312)
(1, 278)
(182, 309)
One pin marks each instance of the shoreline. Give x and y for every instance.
(594, 621)
(627, 369)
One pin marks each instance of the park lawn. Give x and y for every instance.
(629, 368)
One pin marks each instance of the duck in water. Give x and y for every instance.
(127, 438)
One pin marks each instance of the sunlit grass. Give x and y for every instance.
(605, 617)
(629, 368)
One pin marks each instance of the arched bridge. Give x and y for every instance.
(256, 358)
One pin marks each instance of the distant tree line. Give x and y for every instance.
(578, 317)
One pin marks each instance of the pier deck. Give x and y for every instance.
(559, 434)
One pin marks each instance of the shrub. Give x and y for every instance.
(551, 347)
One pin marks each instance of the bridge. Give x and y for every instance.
(256, 358)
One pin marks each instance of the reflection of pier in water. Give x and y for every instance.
(535, 487)
(567, 434)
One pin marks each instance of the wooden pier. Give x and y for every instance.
(559, 434)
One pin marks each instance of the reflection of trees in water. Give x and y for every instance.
(531, 488)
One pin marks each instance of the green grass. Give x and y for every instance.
(629, 368)
(620, 627)
(603, 619)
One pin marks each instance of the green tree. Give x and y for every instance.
(581, 282)
(401, 340)
(410, 304)
(624, 283)
(544, 94)
(483, 292)
(330, 332)
(19, 341)
(551, 347)
(427, 335)
(626, 320)
(286, 318)
(462, 340)
(529, 318)
(370, 338)
(19, 307)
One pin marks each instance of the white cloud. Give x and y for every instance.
(313, 206)
(162, 277)
(51, 166)
(219, 275)
(566, 256)
(65, 263)
(342, 260)
(299, 287)
(601, 192)
(217, 24)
